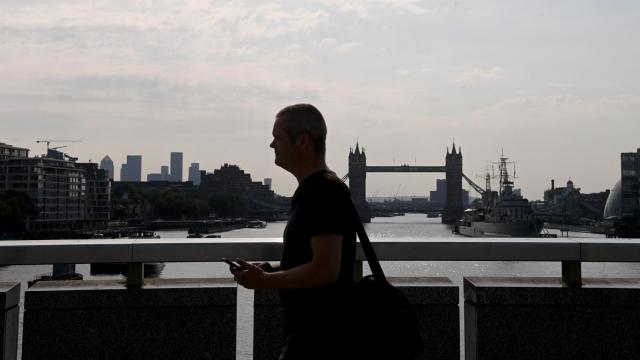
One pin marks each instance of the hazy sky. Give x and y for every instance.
(554, 83)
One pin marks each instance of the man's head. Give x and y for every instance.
(305, 119)
(299, 133)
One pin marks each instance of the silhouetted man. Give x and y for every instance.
(315, 276)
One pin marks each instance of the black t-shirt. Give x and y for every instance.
(320, 206)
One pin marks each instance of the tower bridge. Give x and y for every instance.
(358, 170)
(406, 168)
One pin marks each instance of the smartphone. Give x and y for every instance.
(234, 265)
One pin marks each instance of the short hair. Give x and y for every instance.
(305, 118)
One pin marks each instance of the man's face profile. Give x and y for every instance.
(283, 148)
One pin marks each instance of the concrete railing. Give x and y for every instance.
(569, 251)
(151, 315)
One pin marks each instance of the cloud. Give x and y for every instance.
(325, 43)
(364, 8)
(272, 20)
(561, 111)
(478, 74)
(346, 47)
(334, 45)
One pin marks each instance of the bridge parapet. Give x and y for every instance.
(566, 250)
(581, 300)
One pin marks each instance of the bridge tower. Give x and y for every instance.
(453, 164)
(357, 182)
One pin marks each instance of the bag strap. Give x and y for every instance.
(369, 253)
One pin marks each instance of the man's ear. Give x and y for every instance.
(304, 140)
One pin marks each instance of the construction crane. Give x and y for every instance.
(395, 197)
(54, 150)
(48, 142)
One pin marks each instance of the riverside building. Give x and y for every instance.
(231, 180)
(67, 195)
(630, 183)
(8, 151)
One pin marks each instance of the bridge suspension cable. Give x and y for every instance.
(475, 186)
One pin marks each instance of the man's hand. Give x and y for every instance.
(323, 269)
(266, 266)
(251, 276)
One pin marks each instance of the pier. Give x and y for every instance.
(566, 316)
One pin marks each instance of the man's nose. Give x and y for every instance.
(271, 145)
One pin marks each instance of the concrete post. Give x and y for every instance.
(542, 318)
(268, 335)
(572, 273)
(435, 301)
(103, 319)
(9, 300)
(135, 275)
(357, 270)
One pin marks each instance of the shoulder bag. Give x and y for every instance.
(385, 322)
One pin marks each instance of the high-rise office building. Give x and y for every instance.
(630, 183)
(164, 173)
(267, 182)
(107, 165)
(194, 174)
(123, 172)
(176, 166)
(162, 176)
(132, 170)
(440, 195)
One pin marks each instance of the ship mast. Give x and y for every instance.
(506, 185)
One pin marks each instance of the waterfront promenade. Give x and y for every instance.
(550, 253)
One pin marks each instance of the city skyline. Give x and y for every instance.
(553, 84)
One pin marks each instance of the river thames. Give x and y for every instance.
(410, 225)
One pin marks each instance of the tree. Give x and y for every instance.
(174, 204)
(15, 209)
(225, 205)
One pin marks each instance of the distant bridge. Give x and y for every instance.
(453, 210)
(407, 168)
(358, 170)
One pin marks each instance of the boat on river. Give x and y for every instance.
(256, 224)
(500, 214)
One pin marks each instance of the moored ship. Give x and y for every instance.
(503, 214)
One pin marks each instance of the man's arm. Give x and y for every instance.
(324, 268)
